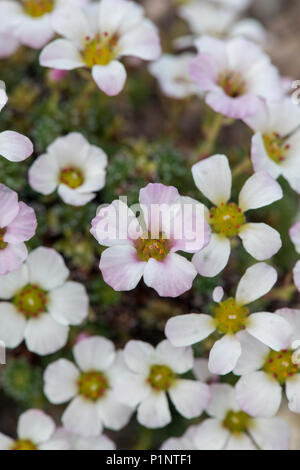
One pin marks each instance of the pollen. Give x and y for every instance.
(276, 147)
(100, 50)
(38, 8)
(71, 177)
(24, 444)
(230, 316)
(31, 301)
(3, 244)
(232, 83)
(92, 385)
(227, 219)
(236, 422)
(279, 364)
(152, 248)
(161, 377)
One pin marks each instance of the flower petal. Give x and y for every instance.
(292, 316)
(138, 356)
(260, 190)
(23, 227)
(180, 360)
(35, 426)
(81, 417)
(257, 281)
(15, 147)
(222, 400)
(73, 196)
(12, 325)
(95, 353)
(260, 240)
(13, 282)
(43, 174)
(43, 335)
(12, 257)
(154, 411)
(5, 442)
(189, 397)
(60, 379)
(9, 206)
(185, 330)
(214, 257)
(142, 41)
(110, 78)
(292, 389)
(294, 233)
(253, 355)
(270, 329)
(224, 355)
(211, 435)
(61, 54)
(115, 415)
(46, 268)
(69, 303)
(271, 434)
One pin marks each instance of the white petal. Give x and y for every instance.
(15, 147)
(119, 16)
(43, 335)
(110, 78)
(43, 174)
(296, 275)
(5, 442)
(270, 329)
(12, 257)
(260, 159)
(12, 325)
(201, 371)
(115, 415)
(132, 389)
(292, 389)
(258, 394)
(212, 177)
(218, 294)
(293, 318)
(257, 281)
(61, 54)
(271, 433)
(154, 411)
(294, 233)
(95, 353)
(81, 417)
(35, 426)
(12, 282)
(60, 380)
(71, 22)
(240, 442)
(222, 400)
(73, 196)
(34, 32)
(46, 268)
(260, 190)
(211, 435)
(185, 330)
(55, 444)
(260, 240)
(142, 41)
(189, 397)
(69, 303)
(214, 257)
(180, 360)
(224, 355)
(139, 356)
(253, 355)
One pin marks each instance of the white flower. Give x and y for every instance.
(230, 318)
(152, 375)
(172, 73)
(265, 372)
(42, 303)
(295, 237)
(36, 431)
(78, 442)
(275, 146)
(29, 22)
(98, 36)
(213, 178)
(91, 387)
(230, 428)
(73, 166)
(185, 442)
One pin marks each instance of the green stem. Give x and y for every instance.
(207, 147)
(241, 168)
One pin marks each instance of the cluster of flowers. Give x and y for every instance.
(38, 303)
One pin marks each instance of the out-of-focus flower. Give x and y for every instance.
(265, 372)
(28, 22)
(152, 375)
(172, 72)
(235, 74)
(237, 4)
(295, 237)
(35, 431)
(184, 442)
(148, 247)
(90, 386)
(3, 95)
(42, 303)
(73, 166)
(17, 225)
(213, 178)
(56, 75)
(98, 36)
(275, 145)
(230, 318)
(78, 442)
(230, 428)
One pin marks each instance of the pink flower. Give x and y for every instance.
(56, 75)
(234, 74)
(148, 247)
(17, 225)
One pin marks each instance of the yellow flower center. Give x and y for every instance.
(24, 444)
(161, 377)
(100, 50)
(31, 301)
(280, 365)
(92, 385)
(227, 219)
(230, 316)
(276, 147)
(3, 244)
(147, 248)
(38, 8)
(236, 421)
(232, 83)
(71, 177)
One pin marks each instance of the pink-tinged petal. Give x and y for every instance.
(34, 32)
(9, 206)
(121, 268)
(257, 281)
(23, 227)
(212, 177)
(296, 274)
(260, 190)
(218, 294)
(260, 159)
(12, 257)
(138, 356)
(253, 355)
(171, 277)
(270, 329)
(8, 45)
(292, 389)
(211, 435)
(142, 42)
(12, 325)
(3, 95)
(292, 316)
(68, 304)
(43, 335)
(258, 394)
(15, 147)
(189, 397)
(71, 22)
(36, 426)
(271, 433)
(157, 194)
(61, 54)
(224, 355)
(294, 233)
(114, 415)
(237, 108)
(60, 381)
(213, 258)
(260, 240)
(222, 400)
(110, 78)
(81, 417)
(185, 330)
(73, 196)
(154, 411)
(44, 174)
(203, 71)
